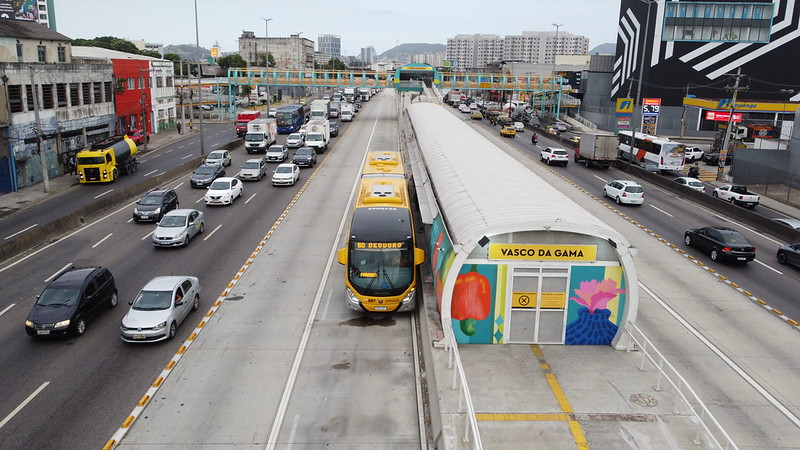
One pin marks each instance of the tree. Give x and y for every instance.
(233, 60)
(151, 53)
(262, 63)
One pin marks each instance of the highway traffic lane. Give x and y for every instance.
(126, 262)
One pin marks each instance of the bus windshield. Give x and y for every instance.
(382, 271)
(285, 119)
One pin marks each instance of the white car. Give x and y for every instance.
(219, 157)
(223, 191)
(302, 131)
(464, 108)
(560, 126)
(295, 140)
(277, 153)
(158, 309)
(272, 112)
(692, 154)
(691, 183)
(555, 156)
(286, 175)
(624, 191)
(253, 169)
(178, 227)
(520, 127)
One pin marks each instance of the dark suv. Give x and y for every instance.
(154, 204)
(305, 156)
(206, 174)
(69, 301)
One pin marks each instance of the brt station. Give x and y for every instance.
(513, 260)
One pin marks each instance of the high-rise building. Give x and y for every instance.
(475, 51)
(368, 55)
(40, 11)
(329, 44)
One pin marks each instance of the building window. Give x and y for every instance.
(42, 16)
(61, 94)
(131, 84)
(15, 98)
(87, 93)
(141, 82)
(169, 81)
(74, 94)
(159, 82)
(62, 54)
(48, 102)
(97, 90)
(19, 51)
(42, 53)
(108, 90)
(29, 96)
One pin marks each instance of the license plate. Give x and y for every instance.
(380, 308)
(741, 258)
(42, 332)
(139, 336)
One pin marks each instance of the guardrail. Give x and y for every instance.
(471, 433)
(706, 422)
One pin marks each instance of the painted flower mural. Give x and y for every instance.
(592, 326)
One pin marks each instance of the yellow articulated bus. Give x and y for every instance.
(381, 254)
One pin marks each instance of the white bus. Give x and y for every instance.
(668, 155)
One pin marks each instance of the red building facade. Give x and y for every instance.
(133, 96)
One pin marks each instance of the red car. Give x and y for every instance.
(138, 136)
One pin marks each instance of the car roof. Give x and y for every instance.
(158, 191)
(627, 182)
(180, 212)
(165, 283)
(73, 277)
(794, 223)
(218, 151)
(287, 165)
(225, 178)
(254, 160)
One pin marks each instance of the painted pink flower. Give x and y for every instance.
(596, 294)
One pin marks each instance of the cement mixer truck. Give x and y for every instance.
(105, 161)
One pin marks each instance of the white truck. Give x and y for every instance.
(335, 109)
(737, 194)
(364, 94)
(599, 150)
(318, 134)
(347, 112)
(320, 109)
(261, 133)
(349, 94)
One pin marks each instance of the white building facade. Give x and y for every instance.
(475, 51)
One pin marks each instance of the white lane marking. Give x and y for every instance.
(130, 220)
(151, 172)
(272, 440)
(293, 433)
(199, 200)
(182, 146)
(7, 308)
(51, 277)
(327, 304)
(101, 240)
(22, 405)
(601, 179)
(104, 193)
(21, 231)
(661, 210)
(250, 198)
(169, 151)
(769, 267)
(147, 235)
(212, 232)
(745, 376)
(187, 156)
(155, 156)
(179, 185)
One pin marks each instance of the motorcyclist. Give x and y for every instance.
(534, 139)
(694, 171)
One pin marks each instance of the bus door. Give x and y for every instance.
(537, 304)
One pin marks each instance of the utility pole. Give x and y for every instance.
(199, 81)
(266, 56)
(727, 143)
(553, 82)
(37, 128)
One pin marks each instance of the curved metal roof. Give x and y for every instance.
(483, 191)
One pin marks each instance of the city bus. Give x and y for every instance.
(668, 155)
(381, 256)
(383, 164)
(290, 118)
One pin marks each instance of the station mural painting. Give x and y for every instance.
(594, 309)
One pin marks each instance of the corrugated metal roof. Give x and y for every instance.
(483, 191)
(85, 52)
(29, 30)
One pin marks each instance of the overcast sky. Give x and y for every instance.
(359, 23)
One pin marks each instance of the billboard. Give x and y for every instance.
(19, 10)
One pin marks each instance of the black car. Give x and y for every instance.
(789, 254)
(206, 174)
(713, 158)
(305, 157)
(334, 126)
(69, 301)
(154, 204)
(722, 243)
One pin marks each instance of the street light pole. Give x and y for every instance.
(38, 125)
(639, 87)
(553, 82)
(199, 81)
(266, 56)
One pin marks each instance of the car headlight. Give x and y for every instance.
(160, 326)
(157, 211)
(408, 297)
(62, 324)
(351, 296)
(29, 324)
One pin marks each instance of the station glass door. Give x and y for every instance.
(537, 304)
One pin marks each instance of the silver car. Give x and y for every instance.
(158, 309)
(253, 169)
(295, 140)
(178, 227)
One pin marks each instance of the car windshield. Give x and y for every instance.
(381, 269)
(694, 183)
(150, 200)
(58, 297)
(275, 149)
(283, 169)
(87, 160)
(305, 151)
(220, 185)
(205, 170)
(251, 165)
(173, 222)
(294, 137)
(152, 301)
(251, 137)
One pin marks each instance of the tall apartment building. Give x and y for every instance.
(475, 51)
(368, 55)
(329, 44)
